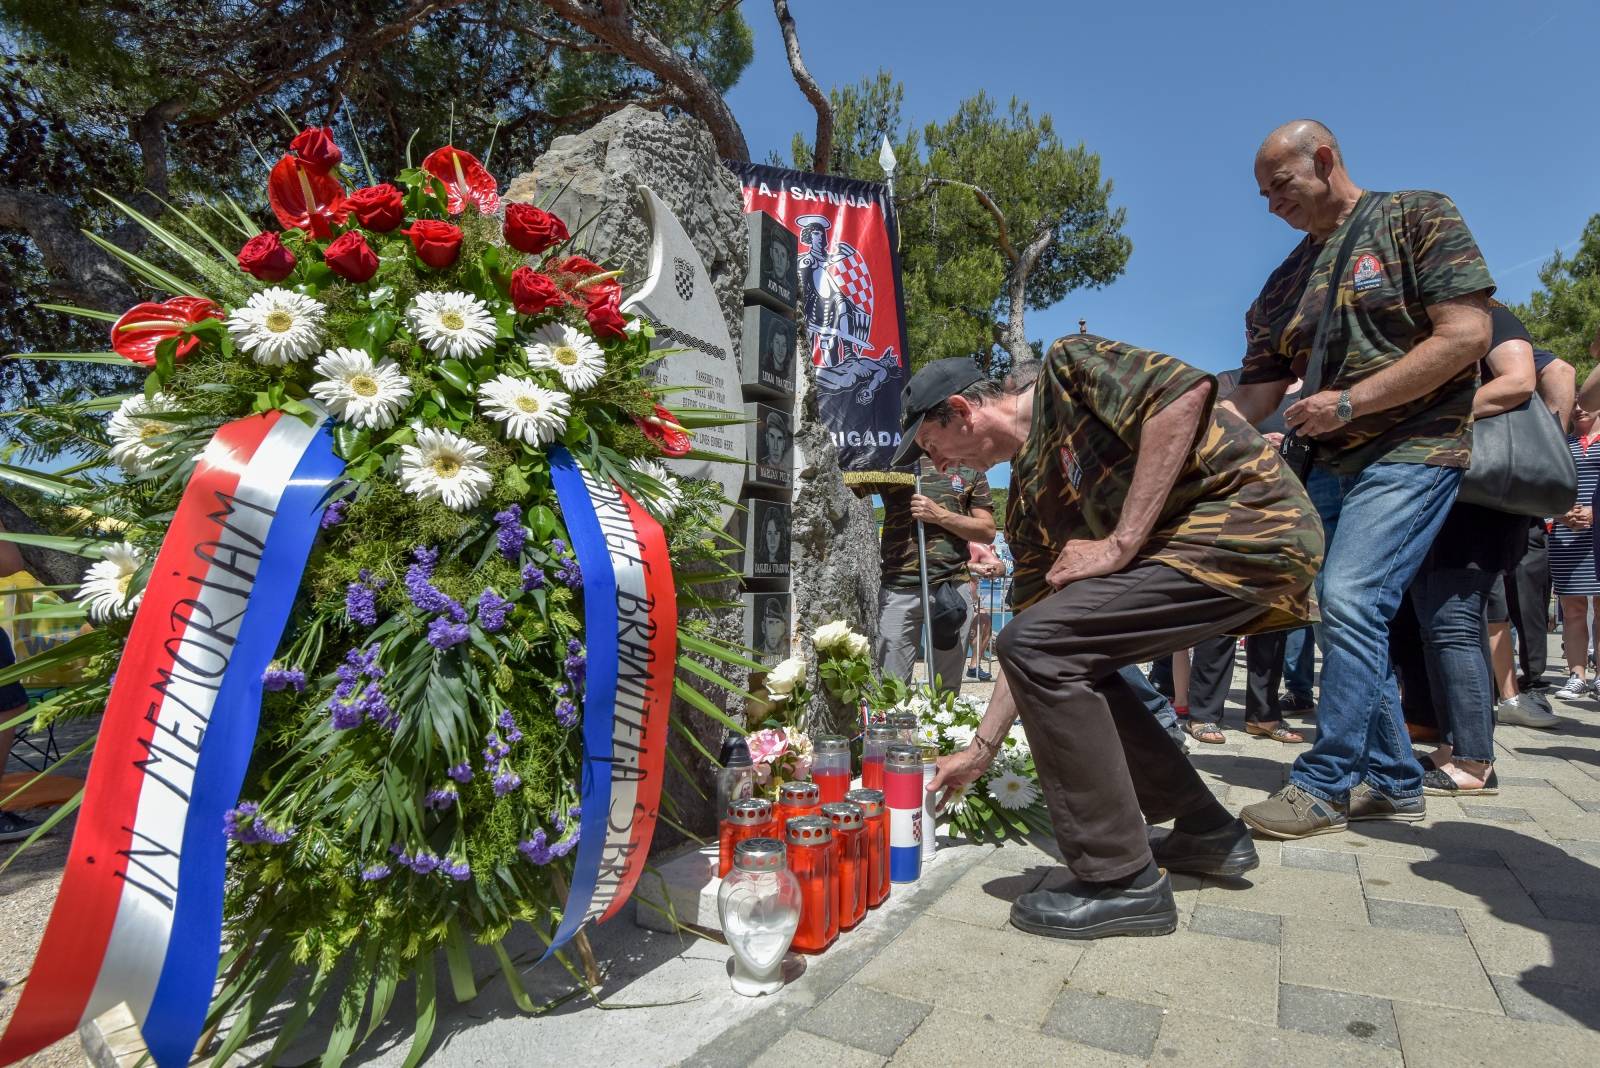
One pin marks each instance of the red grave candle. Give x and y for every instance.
(875, 833)
(878, 739)
(811, 858)
(747, 817)
(798, 798)
(850, 836)
(830, 767)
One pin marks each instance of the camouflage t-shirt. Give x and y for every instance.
(960, 492)
(1414, 250)
(1236, 518)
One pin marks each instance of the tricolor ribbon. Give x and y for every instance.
(630, 613)
(138, 917)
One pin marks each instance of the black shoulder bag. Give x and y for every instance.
(1299, 452)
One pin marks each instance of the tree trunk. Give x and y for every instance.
(822, 147)
(50, 566)
(1013, 335)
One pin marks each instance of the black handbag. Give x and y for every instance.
(1520, 463)
(1299, 452)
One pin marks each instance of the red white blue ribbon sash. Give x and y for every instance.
(630, 613)
(139, 912)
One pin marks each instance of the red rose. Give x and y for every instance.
(606, 320)
(315, 148)
(530, 230)
(532, 293)
(350, 258)
(145, 326)
(437, 243)
(379, 207)
(264, 257)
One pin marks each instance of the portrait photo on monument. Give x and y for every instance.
(766, 547)
(771, 274)
(769, 351)
(771, 450)
(767, 625)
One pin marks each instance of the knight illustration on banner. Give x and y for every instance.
(850, 304)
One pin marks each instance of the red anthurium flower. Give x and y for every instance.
(379, 207)
(532, 230)
(315, 148)
(570, 273)
(306, 198)
(264, 257)
(437, 243)
(664, 430)
(605, 291)
(350, 257)
(464, 180)
(532, 293)
(144, 326)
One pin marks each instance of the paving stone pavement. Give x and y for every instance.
(1470, 938)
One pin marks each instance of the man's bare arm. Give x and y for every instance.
(979, 526)
(1461, 334)
(1558, 388)
(1256, 401)
(1513, 381)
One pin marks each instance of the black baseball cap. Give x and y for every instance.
(930, 387)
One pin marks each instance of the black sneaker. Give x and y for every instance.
(1297, 703)
(1228, 850)
(1094, 910)
(1367, 803)
(13, 828)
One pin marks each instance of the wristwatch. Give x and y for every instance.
(1343, 409)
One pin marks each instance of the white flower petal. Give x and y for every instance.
(570, 353)
(360, 392)
(277, 326)
(527, 410)
(663, 503)
(105, 585)
(451, 324)
(132, 434)
(446, 467)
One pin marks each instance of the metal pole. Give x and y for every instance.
(922, 573)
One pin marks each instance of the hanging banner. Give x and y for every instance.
(850, 303)
(630, 615)
(138, 917)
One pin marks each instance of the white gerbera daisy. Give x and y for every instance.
(955, 802)
(359, 392)
(105, 585)
(960, 734)
(570, 353)
(277, 326)
(662, 503)
(530, 412)
(445, 467)
(132, 434)
(451, 324)
(1012, 791)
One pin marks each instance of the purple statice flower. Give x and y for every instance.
(570, 574)
(557, 546)
(575, 812)
(347, 714)
(461, 772)
(422, 862)
(459, 870)
(576, 663)
(375, 706)
(510, 537)
(492, 611)
(373, 872)
(566, 845)
(276, 680)
(422, 591)
(508, 723)
(505, 780)
(442, 634)
(494, 750)
(245, 826)
(537, 849)
(334, 515)
(566, 713)
(441, 797)
(361, 604)
(532, 578)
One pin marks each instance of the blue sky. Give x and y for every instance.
(1494, 104)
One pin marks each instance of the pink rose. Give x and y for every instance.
(767, 746)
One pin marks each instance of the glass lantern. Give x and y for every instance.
(759, 906)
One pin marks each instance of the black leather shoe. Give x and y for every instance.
(1097, 910)
(1228, 850)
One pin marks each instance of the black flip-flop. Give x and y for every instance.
(1436, 782)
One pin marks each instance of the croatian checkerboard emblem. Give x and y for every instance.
(1368, 273)
(957, 483)
(683, 278)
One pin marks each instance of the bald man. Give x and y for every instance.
(1390, 426)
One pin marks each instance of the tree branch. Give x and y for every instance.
(1004, 236)
(822, 147)
(611, 21)
(80, 272)
(51, 567)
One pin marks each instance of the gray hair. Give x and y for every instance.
(1022, 377)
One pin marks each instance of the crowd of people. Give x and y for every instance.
(1319, 498)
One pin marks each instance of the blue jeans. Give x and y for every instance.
(1442, 655)
(1300, 663)
(1154, 700)
(1380, 524)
